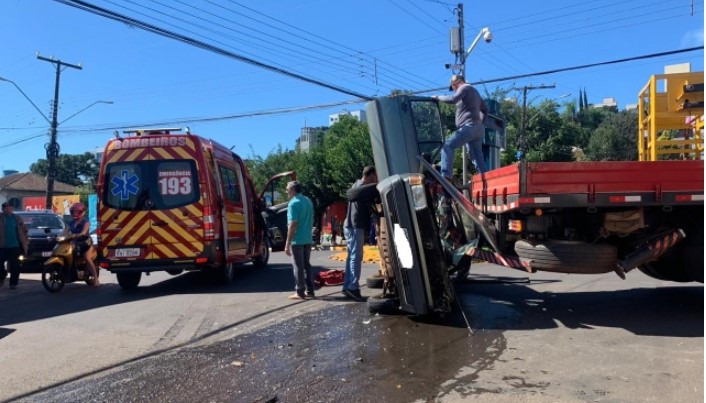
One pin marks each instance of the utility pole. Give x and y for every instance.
(458, 48)
(521, 141)
(53, 147)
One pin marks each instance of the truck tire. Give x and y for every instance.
(683, 263)
(568, 256)
(363, 193)
(129, 280)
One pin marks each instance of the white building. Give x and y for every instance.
(359, 115)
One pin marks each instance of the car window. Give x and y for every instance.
(37, 221)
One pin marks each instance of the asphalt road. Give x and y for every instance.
(539, 338)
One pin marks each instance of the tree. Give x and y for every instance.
(77, 170)
(615, 139)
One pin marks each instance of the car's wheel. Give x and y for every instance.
(382, 305)
(363, 193)
(568, 256)
(129, 280)
(261, 261)
(175, 272)
(53, 278)
(375, 281)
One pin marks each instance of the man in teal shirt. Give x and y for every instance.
(300, 220)
(13, 243)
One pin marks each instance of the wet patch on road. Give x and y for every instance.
(339, 353)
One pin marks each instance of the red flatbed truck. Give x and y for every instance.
(595, 217)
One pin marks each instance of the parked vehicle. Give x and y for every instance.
(577, 217)
(42, 229)
(176, 201)
(66, 264)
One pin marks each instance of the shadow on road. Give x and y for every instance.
(32, 302)
(662, 311)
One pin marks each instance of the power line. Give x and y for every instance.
(357, 101)
(163, 32)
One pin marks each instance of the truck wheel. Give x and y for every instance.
(130, 280)
(568, 256)
(382, 305)
(363, 193)
(375, 281)
(684, 263)
(261, 261)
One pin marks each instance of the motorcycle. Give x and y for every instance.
(67, 264)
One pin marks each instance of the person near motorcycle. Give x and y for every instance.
(79, 225)
(13, 243)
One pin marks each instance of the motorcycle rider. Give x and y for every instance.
(79, 225)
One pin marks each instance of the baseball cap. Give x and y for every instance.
(454, 78)
(7, 204)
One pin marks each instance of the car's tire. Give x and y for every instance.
(568, 256)
(261, 261)
(375, 281)
(175, 272)
(379, 304)
(363, 193)
(53, 278)
(129, 280)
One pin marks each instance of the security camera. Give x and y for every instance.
(487, 36)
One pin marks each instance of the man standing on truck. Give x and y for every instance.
(470, 110)
(300, 219)
(354, 229)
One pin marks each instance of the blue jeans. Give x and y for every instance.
(470, 135)
(354, 238)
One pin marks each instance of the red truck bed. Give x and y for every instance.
(578, 184)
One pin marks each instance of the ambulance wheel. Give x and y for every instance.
(261, 261)
(226, 273)
(130, 280)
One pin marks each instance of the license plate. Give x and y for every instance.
(46, 254)
(127, 252)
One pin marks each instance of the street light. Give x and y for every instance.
(26, 97)
(81, 110)
(52, 147)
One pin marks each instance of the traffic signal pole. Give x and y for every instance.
(53, 147)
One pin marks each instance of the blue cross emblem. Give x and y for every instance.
(124, 185)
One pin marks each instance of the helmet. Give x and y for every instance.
(77, 210)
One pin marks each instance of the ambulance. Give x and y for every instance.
(174, 201)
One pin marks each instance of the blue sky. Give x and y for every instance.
(366, 47)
